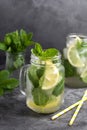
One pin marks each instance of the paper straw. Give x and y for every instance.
(67, 109)
(78, 108)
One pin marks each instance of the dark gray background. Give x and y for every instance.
(49, 20)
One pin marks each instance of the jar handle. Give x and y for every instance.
(22, 79)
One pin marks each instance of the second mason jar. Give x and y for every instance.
(75, 60)
(43, 83)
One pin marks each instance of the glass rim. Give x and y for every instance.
(72, 35)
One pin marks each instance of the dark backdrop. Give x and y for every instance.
(49, 20)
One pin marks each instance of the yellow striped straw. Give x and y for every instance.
(67, 109)
(78, 108)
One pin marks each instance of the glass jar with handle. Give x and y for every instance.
(42, 81)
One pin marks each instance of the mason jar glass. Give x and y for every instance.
(42, 82)
(75, 60)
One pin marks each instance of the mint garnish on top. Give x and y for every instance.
(44, 54)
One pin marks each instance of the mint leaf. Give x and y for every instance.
(79, 43)
(23, 35)
(84, 43)
(9, 83)
(6, 83)
(37, 50)
(39, 96)
(30, 35)
(26, 39)
(15, 38)
(19, 61)
(44, 54)
(29, 43)
(40, 72)
(49, 53)
(33, 76)
(7, 39)
(2, 46)
(9, 49)
(83, 51)
(59, 88)
(4, 75)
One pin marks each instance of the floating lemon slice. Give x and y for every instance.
(51, 76)
(53, 104)
(73, 56)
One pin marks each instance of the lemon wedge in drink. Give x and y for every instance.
(73, 56)
(51, 76)
(52, 105)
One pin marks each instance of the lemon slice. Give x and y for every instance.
(52, 106)
(51, 76)
(73, 57)
(84, 75)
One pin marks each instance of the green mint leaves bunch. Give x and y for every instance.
(7, 84)
(44, 54)
(16, 41)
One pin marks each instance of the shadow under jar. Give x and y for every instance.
(42, 82)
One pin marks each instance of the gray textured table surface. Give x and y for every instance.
(14, 114)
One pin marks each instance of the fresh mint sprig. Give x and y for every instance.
(6, 83)
(16, 41)
(44, 54)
